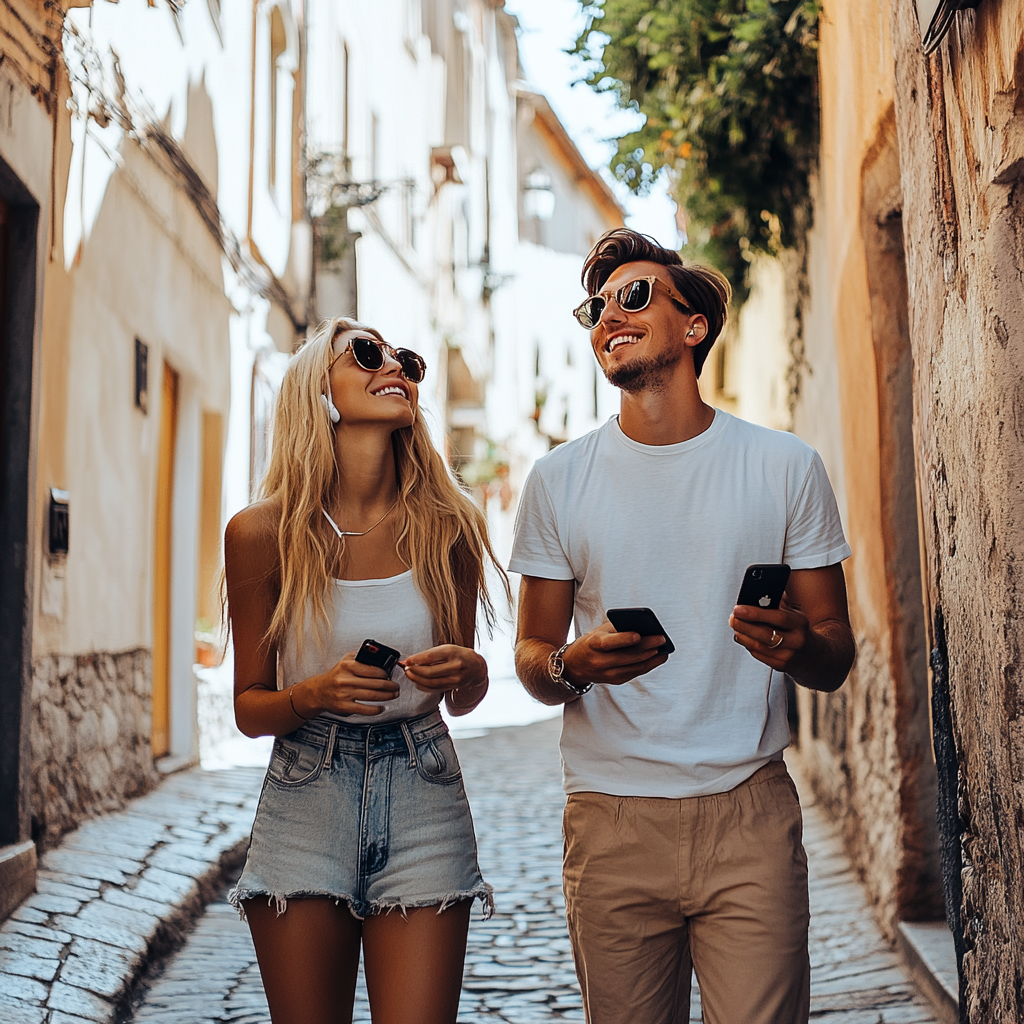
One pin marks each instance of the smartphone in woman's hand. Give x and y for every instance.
(374, 653)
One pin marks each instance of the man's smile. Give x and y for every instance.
(617, 340)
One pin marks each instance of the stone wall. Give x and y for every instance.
(90, 737)
(851, 753)
(867, 747)
(960, 125)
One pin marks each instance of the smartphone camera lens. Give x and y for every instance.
(755, 574)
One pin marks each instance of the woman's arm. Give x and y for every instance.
(253, 575)
(465, 696)
(250, 563)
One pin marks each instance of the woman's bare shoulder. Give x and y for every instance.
(253, 531)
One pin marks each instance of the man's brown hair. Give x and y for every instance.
(706, 290)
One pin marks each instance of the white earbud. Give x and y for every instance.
(332, 409)
(689, 333)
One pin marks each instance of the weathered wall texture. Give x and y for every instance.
(90, 737)
(867, 746)
(844, 384)
(30, 47)
(960, 120)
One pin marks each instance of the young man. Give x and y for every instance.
(682, 827)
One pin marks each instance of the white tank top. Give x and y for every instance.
(391, 611)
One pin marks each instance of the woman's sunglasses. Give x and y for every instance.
(370, 354)
(631, 298)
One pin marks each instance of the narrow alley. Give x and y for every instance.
(519, 967)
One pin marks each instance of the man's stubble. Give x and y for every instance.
(648, 373)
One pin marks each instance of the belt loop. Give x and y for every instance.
(329, 751)
(409, 743)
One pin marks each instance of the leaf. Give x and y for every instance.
(729, 92)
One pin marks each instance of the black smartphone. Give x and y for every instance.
(763, 585)
(642, 621)
(373, 653)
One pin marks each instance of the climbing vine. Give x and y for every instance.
(729, 92)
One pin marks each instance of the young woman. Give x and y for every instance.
(363, 832)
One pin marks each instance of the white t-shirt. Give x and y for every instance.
(673, 527)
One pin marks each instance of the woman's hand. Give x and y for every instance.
(448, 667)
(457, 671)
(341, 689)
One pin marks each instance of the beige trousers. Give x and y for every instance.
(717, 884)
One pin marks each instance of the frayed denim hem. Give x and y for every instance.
(361, 909)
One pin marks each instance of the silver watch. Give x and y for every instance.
(556, 666)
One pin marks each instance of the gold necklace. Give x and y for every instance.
(353, 533)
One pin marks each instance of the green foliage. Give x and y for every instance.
(729, 89)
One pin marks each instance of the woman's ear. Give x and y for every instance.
(332, 409)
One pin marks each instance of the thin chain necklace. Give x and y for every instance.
(353, 533)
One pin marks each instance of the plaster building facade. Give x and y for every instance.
(906, 375)
(453, 212)
(186, 191)
(170, 248)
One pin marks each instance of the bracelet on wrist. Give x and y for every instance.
(291, 700)
(472, 686)
(556, 668)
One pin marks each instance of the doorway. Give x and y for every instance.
(919, 883)
(19, 218)
(162, 563)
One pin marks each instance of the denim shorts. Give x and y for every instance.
(375, 816)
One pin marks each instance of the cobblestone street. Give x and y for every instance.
(519, 965)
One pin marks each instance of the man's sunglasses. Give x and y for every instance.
(370, 354)
(631, 298)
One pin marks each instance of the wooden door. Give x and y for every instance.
(161, 732)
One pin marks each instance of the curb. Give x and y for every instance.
(927, 950)
(119, 891)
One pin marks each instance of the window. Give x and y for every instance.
(262, 395)
(278, 47)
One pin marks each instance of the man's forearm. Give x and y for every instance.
(826, 659)
(532, 669)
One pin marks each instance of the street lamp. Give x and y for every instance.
(935, 16)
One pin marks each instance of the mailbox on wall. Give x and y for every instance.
(60, 520)
(141, 376)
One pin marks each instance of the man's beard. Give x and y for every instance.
(646, 373)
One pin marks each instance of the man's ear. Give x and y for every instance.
(697, 331)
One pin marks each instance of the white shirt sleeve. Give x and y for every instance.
(814, 532)
(537, 549)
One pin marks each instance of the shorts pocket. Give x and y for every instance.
(436, 760)
(297, 761)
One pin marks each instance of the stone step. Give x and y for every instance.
(927, 949)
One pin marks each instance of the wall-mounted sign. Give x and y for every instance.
(935, 18)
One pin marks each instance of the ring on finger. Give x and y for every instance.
(776, 639)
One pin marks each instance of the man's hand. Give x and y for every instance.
(600, 656)
(604, 656)
(809, 637)
(772, 635)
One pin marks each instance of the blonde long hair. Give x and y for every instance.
(443, 537)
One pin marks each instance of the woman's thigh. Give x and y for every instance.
(414, 964)
(308, 957)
